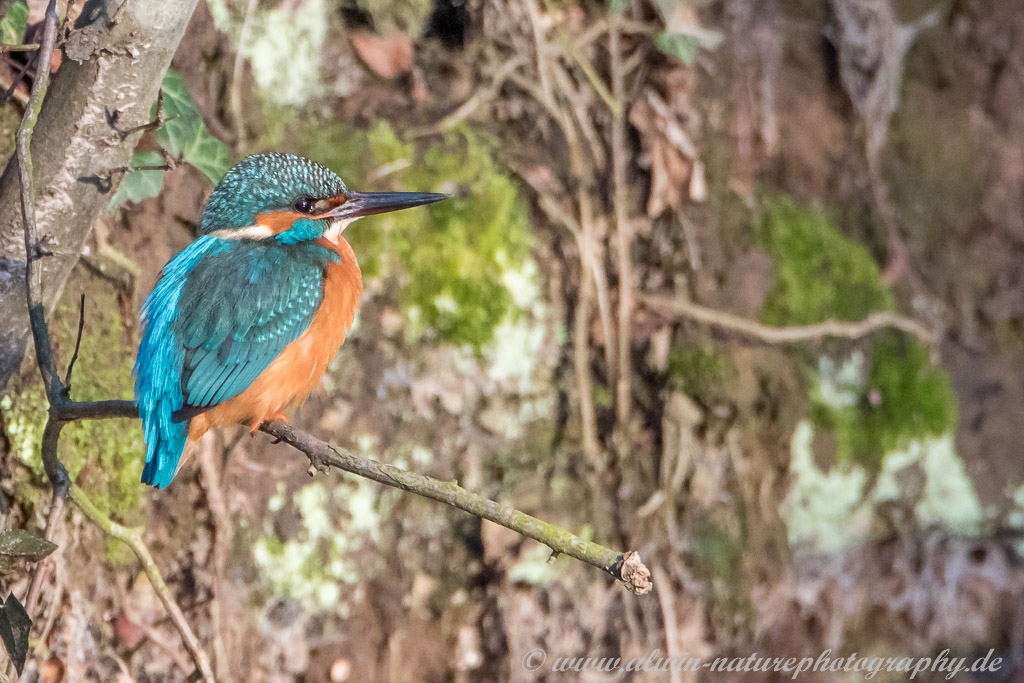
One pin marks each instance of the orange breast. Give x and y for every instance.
(298, 369)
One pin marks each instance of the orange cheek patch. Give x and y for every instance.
(325, 206)
(278, 221)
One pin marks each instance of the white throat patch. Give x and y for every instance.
(250, 232)
(333, 233)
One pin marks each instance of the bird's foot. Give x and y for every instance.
(278, 416)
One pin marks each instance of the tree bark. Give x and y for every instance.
(114, 62)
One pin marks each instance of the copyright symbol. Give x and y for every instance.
(534, 659)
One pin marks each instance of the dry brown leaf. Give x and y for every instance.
(542, 179)
(634, 574)
(127, 631)
(670, 155)
(387, 56)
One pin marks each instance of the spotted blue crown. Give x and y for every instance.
(264, 183)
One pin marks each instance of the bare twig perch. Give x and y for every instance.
(625, 567)
(676, 306)
(322, 455)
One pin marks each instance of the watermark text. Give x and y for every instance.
(942, 663)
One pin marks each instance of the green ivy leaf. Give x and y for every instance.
(139, 185)
(14, 24)
(185, 136)
(209, 156)
(15, 626)
(24, 544)
(180, 115)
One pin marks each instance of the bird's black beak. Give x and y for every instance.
(359, 204)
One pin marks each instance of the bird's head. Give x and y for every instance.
(292, 199)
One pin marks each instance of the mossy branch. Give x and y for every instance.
(132, 537)
(33, 278)
(56, 390)
(626, 567)
(322, 455)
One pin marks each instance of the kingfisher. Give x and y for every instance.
(245, 320)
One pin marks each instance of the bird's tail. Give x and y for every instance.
(158, 374)
(165, 443)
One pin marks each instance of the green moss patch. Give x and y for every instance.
(453, 261)
(871, 407)
(819, 274)
(104, 457)
(698, 371)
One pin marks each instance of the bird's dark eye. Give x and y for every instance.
(304, 204)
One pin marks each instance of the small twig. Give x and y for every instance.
(624, 567)
(170, 163)
(12, 89)
(594, 264)
(54, 608)
(221, 520)
(583, 169)
(540, 45)
(23, 47)
(592, 275)
(104, 249)
(33, 277)
(666, 599)
(557, 213)
(581, 368)
(623, 234)
(601, 26)
(133, 538)
(121, 665)
(587, 236)
(613, 103)
(161, 643)
(842, 329)
(156, 123)
(78, 344)
(581, 111)
(53, 519)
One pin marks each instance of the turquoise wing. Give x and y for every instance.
(219, 316)
(239, 308)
